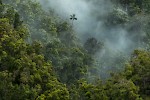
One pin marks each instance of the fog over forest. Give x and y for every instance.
(74, 50)
(92, 22)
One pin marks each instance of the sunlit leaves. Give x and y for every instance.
(139, 71)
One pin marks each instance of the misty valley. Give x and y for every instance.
(75, 50)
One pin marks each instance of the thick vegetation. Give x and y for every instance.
(41, 58)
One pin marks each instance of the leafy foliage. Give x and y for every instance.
(41, 58)
(139, 71)
(23, 72)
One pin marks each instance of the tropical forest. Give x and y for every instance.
(74, 49)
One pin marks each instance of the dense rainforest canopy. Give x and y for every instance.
(42, 58)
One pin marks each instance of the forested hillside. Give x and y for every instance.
(46, 56)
